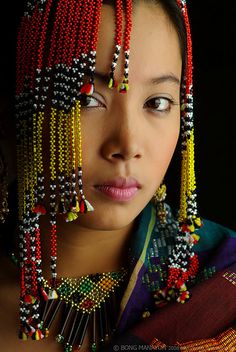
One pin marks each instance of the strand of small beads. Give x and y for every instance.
(71, 12)
(95, 21)
(74, 206)
(55, 36)
(80, 53)
(61, 167)
(73, 33)
(118, 42)
(88, 87)
(31, 275)
(84, 205)
(183, 262)
(53, 187)
(124, 86)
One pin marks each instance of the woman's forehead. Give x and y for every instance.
(154, 46)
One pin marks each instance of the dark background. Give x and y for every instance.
(214, 50)
(214, 47)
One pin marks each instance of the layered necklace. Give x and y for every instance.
(87, 304)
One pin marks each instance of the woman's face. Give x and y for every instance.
(129, 139)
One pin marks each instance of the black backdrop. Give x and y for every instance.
(214, 47)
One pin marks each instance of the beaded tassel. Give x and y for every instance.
(74, 206)
(118, 42)
(183, 263)
(30, 179)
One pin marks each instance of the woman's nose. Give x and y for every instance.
(123, 141)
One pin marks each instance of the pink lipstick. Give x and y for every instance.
(119, 189)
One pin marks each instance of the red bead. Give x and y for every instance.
(82, 206)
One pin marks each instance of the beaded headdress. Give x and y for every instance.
(183, 262)
(56, 61)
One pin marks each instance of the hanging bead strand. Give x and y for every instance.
(71, 214)
(61, 161)
(124, 86)
(74, 32)
(80, 54)
(55, 35)
(183, 263)
(118, 43)
(53, 186)
(88, 88)
(84, 205)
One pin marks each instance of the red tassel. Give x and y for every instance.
(82, 206)
(185, 228)
(31, 330)
(38, 335)
(179, 283)
(44, 294)
(29, 299)
(87, 89)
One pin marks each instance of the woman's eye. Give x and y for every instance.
(159, 104)
(89, 101)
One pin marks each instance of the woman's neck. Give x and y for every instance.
(83, 251)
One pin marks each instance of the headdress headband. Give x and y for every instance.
(55, 67)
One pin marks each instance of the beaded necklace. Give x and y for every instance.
(88, 303)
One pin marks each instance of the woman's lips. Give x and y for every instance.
(120, 189)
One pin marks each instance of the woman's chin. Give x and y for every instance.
(108, 218)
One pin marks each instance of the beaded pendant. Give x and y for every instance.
(88, 303)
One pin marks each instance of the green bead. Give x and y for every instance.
(68, 348)
(94, 347)
(60, 338)
(14, 259)
(115, 275)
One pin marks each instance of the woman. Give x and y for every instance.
(85, 148)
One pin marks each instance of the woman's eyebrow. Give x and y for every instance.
(171, 78)
(165, 78)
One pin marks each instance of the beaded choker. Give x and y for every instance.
(87, 304)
